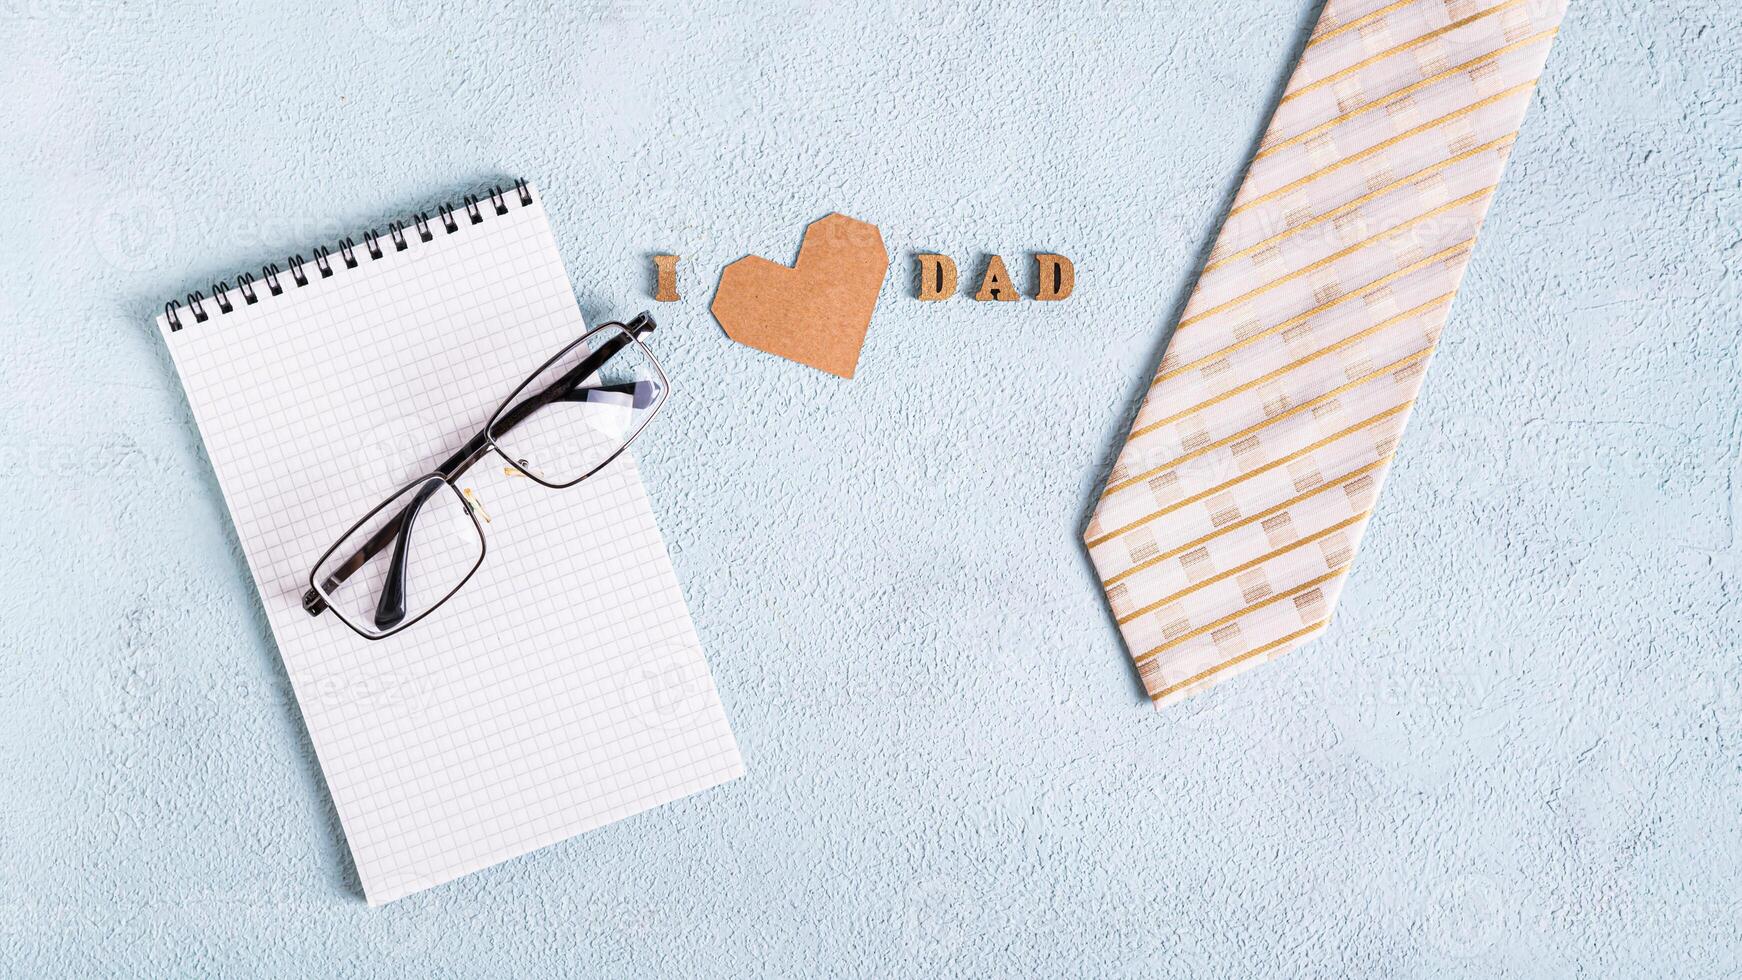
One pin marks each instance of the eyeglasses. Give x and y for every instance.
(564, 423)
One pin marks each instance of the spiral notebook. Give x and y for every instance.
(564, 686)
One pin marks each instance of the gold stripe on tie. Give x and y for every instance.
(1409, 45)
(1271, 149)
(1337, 212)
(1480, 195)
(1361, 426)
(1229, 524)
(1242, 206)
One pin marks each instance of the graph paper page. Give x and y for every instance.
(563, 687)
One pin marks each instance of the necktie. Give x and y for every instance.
(1227, 527)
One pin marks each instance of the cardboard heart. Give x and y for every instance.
(816, 311)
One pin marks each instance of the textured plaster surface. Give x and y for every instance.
(1515, 754)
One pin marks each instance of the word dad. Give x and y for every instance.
(1054, 276)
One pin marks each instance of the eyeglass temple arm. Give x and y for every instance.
(390, 610)
(451, 469)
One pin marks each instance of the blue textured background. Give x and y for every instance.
(1516, 754)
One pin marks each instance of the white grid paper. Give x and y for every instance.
(564, 687)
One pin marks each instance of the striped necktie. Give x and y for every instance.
(1227, 527)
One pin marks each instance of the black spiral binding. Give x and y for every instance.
(349, 259)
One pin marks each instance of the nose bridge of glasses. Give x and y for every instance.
(465, 457)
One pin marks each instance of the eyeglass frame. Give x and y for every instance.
(481, 444)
